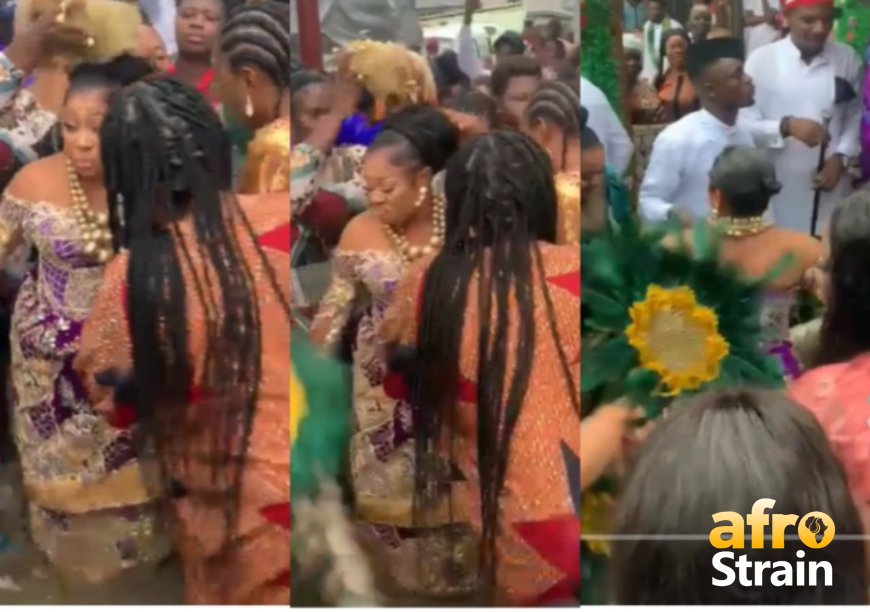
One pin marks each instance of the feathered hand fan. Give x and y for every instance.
(662, 320)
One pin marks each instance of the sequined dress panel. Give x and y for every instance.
(90, 511)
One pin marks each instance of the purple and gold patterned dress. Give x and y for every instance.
(382, 443)
(91, 501)
(776, 308)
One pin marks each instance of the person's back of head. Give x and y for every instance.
(743, 180)
(846, 327)
(509, 43)
(722, 452)
(511, 68)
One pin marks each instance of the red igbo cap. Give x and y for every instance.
(793, 4)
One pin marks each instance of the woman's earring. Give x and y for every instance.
(249, 106)
(422, 198)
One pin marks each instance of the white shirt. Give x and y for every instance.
(678, 175)
(763, 34)
(786, 86)
(466, 54)
(162, 16)
(650, 54)
(618, 147)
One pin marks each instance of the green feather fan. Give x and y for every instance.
(620, 318)
(322, 412)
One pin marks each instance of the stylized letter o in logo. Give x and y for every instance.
(816, 530)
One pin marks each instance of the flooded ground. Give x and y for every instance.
(26, 578)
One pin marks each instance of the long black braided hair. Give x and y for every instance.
(557, 103)
(166, 158)
(501, 201)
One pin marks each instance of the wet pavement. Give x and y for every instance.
(27, 578)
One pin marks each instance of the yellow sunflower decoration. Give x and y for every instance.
(665, 321)
(676, 338)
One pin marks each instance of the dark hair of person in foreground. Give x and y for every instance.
(845, 329)
(500, 203)
(167, 159)
(722, 452)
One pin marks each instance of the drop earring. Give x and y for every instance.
(249, 106)
(422, 197)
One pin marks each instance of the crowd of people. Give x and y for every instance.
(724, 333)
(144, 239)
(436, 254)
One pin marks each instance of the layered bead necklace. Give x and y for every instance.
(742, 227)
(409, 252)
(93, 226)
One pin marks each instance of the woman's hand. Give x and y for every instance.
(603, 439)
(30, 47)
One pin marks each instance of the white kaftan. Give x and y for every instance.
(760, 35)
(678, 175)
(785, 86)
(606, 124)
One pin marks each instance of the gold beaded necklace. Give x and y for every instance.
(93, 227)
(409, 252)
(742, 227)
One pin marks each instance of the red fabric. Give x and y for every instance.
(122, 417)
(278, 239)
(557, 540)
(326, 215)
(793, 4)
(277, 514)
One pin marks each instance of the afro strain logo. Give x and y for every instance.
(814, 530)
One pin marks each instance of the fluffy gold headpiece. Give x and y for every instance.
(111, 27)
(393, 75)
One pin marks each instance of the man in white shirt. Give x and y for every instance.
(677, 179)
(759, 23)
(618, 147)
(806, 97)
(659, 22)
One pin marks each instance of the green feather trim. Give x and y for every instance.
(618, 269)
(321, 446)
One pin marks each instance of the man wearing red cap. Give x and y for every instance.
(807, 113)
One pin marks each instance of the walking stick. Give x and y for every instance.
(817, 194)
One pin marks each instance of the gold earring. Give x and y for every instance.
(422, 197)
(249, 106)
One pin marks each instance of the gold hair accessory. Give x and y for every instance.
(88, 30)
(392, 74)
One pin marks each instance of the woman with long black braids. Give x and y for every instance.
(186, 306)
(497, 419)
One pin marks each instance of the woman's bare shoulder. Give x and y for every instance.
(38, 180)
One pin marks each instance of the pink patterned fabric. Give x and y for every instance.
(839, 396)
